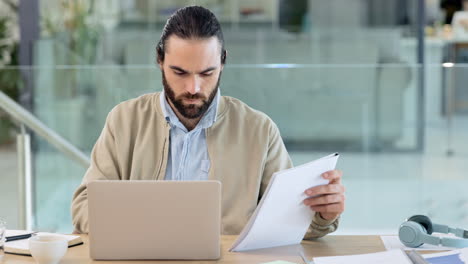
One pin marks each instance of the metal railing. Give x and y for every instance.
(26, 119)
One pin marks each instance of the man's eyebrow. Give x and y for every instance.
(185, 71)
(177, 68)
(208, 70)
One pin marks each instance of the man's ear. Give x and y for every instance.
(159, 56)
(223, 57)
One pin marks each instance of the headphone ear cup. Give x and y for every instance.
(424, 221)
(411, 234)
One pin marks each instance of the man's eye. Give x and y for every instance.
(179, 72)
(206, 74)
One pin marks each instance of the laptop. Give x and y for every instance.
(138, 220)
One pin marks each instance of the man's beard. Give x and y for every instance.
(190, 111)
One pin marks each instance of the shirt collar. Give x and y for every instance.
(208, 119)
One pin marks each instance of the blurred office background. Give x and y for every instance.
(383, 82)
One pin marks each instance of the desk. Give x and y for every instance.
(327, 246)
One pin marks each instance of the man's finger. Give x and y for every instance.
(325, 199)
(325, 189)
(334, 176)
(329, 208)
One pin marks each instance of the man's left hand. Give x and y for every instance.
(328, 199)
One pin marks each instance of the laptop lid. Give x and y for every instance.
(154, 219)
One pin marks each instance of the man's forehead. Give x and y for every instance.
(176, 44)
(192, 54)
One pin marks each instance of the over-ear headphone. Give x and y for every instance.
(418, 230)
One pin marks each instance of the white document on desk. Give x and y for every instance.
(393, 242)
(386, 257)
(281, 218)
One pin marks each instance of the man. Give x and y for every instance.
(190, 132)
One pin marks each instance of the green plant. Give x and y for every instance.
(9, 46)
(9, 73)
(75, 20)
(10, 76)
(73, 27)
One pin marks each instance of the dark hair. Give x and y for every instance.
(188, 23)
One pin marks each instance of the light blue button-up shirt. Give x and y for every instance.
(188, 158)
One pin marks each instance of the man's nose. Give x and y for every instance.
(193, 85)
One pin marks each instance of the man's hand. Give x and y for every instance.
(329, 199)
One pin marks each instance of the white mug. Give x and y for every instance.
(48, 249)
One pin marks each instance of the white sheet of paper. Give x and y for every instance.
(281, 218)
(12, 232)
(393, 242)
(386, 257)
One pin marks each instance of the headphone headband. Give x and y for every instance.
(417, 230)
(445, 229)
(453, 242)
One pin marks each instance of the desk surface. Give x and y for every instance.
(327, 246)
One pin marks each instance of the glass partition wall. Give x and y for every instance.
(334, 79)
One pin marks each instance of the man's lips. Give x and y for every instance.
(191, 101)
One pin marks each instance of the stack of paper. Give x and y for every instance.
(281, 218)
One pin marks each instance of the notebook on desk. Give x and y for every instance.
(21, 246)
(154, 220)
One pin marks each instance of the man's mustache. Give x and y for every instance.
(191, 96)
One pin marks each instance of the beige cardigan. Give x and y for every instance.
(244, 146)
